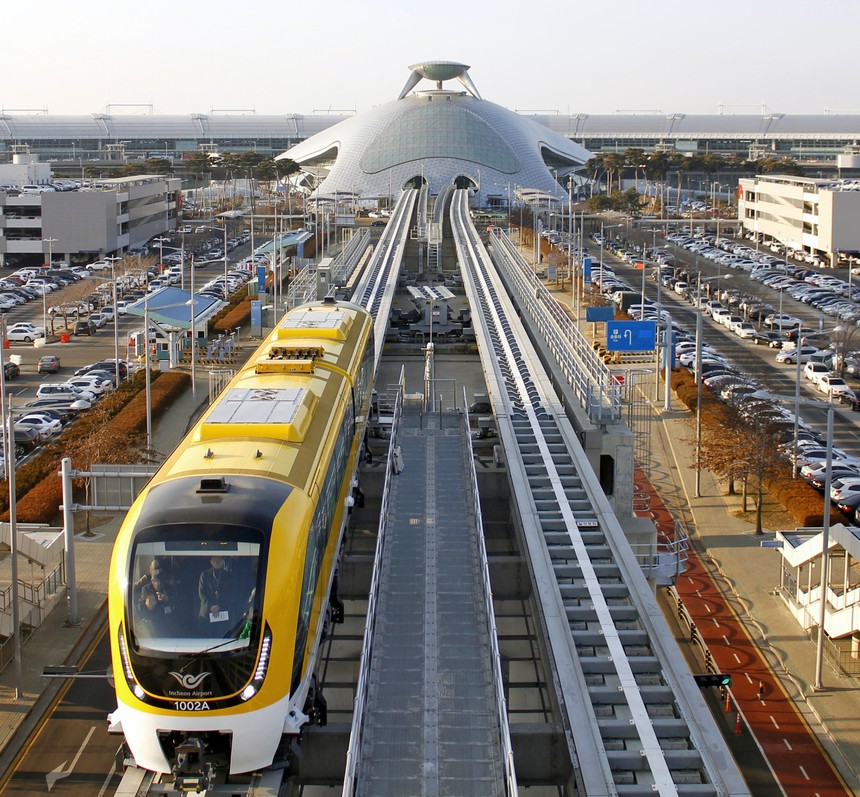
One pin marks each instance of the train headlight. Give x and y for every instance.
(263, 661)
(138, 692)
(123, 654)
(248, 692)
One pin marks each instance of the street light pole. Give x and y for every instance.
(160, 241)
(698, 368)
(825, 551)
(50, 242)
(193, 338)
(147, 374)
(112, 261)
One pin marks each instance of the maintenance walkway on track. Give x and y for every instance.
(431, 724)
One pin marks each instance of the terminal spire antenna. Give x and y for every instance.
(439, 71)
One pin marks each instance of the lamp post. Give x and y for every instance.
(825, 530)
(146, 367)
(193, 337)
(50, 242)
(161, 241)
(699, 281)
(112, 260)
(798, 347)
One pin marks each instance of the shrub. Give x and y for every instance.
(39, 490)
(233, 317)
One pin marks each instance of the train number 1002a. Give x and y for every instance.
(192, 705)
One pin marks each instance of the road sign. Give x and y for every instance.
(631, 335)
(599, 314)
(586, 269)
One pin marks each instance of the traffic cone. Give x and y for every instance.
(738, 724)
(728, 704)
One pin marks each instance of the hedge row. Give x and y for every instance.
(47, 461)
(39, 490)
(131, 419)
(233, 302)
(236, 314)
(800, 499)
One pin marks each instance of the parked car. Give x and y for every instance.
(790, 355)
(10, 370)
(852, 399)
(25, 332)
(84, 327)
(59, 390)
(834, 386)
(814, 371)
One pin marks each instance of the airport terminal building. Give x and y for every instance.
(91, 139)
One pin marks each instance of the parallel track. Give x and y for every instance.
(635, 721)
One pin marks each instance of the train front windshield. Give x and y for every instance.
(194, 591)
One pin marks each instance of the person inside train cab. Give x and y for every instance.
(216, 590)
(155, 610)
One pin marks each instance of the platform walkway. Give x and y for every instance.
(432, 725)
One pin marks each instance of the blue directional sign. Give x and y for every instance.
(586, 269)
(599, 314)
(256, 318)
(631, 335)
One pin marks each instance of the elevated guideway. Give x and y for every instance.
(634, 720)
(430, 715)
(375, 290)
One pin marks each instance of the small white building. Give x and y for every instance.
(25, 170)
(819, 217)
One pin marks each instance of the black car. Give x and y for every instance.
(853, 400)
(766, 338)
(10, 370)
(104, 365)
(85, 327)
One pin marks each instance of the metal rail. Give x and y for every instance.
(375, 290)
(356, 734)
(634, 719)
(501, 702)
(587, 375)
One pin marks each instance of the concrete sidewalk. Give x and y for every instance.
(55, 642)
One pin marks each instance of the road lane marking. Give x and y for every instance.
(787, 744)
(59, 772)
(775, 723)
(737, 658)
(804, 773)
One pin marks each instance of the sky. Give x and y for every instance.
(565, 56)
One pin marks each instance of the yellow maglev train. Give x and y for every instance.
(220, 577)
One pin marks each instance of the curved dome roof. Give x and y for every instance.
(439, 136)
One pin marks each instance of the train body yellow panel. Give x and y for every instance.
(220, 577)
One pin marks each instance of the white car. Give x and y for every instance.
(745, 330)
(94, 385)
(814, 371)
(790, 355)
(24, 331)
(834, 386)
(46, 427)
(55, 424)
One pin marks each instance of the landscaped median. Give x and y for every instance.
(113, 431)
(736, 448)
